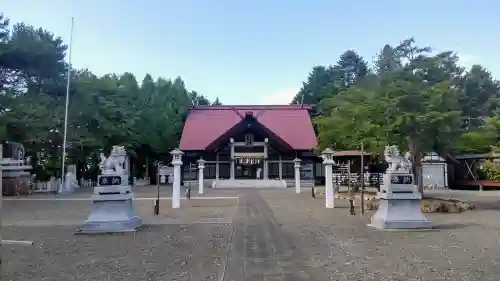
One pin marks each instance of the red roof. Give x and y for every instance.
(206, 123)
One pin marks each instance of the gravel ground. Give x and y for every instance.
(463, 246)
(160, 252)
(265, 235)
(72, 213)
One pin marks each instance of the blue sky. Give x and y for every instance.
(255, 51)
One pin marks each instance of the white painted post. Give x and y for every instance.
(232, 171)
(297, 174)
(201, 166)
(217, 167)
(265, 162)
(176, 189)
(327, 155)
(280, 168)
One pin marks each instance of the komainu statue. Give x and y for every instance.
(396, 162)
(115, 162)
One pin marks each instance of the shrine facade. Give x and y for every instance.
(249, 145)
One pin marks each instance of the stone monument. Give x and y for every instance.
(112, 209)
(70, 181)
(399, 198)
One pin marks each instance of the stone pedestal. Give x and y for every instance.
(201, 167)
(399, 204)
(297, 174)
(112, 208)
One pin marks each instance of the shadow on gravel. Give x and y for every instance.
(495, 205)
(453, 226)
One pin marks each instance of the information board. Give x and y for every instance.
(307, 171)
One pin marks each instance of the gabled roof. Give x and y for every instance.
(206, 123)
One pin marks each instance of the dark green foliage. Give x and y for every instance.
(413, 98)
(114, 109)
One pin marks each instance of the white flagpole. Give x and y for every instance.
(66, 108)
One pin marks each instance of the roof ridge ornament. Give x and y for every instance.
(237, 112)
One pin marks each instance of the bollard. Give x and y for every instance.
(313, 194)
(188, 193)
(351, 206)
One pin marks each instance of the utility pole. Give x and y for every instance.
(362, 180)
(65, 133)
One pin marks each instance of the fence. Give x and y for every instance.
(52, 185)
(45, 186)
(372, 179)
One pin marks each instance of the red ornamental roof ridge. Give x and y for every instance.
(206, 123)
(255, 107)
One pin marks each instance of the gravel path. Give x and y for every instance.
(262, 250)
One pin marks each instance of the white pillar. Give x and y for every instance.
(265, 163)
(201, 166)
(231, 171)
(217, 166)
(328, 162)
(231, 175)
(176, 190)
(328, 186)
(297, 174)
(280, 168)
(266, 169)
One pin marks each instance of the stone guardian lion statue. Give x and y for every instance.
(396, 162)
(115, 162)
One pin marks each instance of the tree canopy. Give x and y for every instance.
(114, 109)
(409, 95)
(418, 99)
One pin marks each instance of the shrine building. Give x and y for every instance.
(249, 146)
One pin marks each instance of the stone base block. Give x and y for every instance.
(400, 214)
(111, 216)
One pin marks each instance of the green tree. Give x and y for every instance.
(103, 111)
(217, 101)
(414, 105)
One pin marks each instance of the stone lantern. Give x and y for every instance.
(201, 167)
(176, 189)
(297, 161)
(176, 156)
(327, 156)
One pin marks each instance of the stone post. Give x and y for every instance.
(327, 155)
(217, 167)
(232, 172)
(297, 174)
(280, 168)
(201, 167)
(265, 162)
(176, 190)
